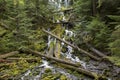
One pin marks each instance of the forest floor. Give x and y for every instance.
(14, 66)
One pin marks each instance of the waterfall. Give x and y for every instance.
(67, 54)
(67, 3)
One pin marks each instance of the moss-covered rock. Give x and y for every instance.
(63, 77)
(50, 76)
(115, 60)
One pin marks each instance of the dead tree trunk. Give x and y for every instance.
(76, 47)
(48, 57)
(85, 72)
(58, 31)
(96, 51)
(9, 54)
(27, 59)
(4, 61)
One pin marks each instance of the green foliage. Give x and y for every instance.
(99, 32)
(115, 60)
(48, 75)
(23, 18)
(114, 17)
(115, 37)
(82, 8)
(16, 68)
(63, 77)
(100, 3)
(95, 32)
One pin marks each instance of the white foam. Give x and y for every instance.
(45, 64)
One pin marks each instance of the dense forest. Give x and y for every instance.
(59, 39)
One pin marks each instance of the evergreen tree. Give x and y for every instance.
(115, 37)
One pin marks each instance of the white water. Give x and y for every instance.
(49, 41)
(45, 64)
(62, 43)
(69, 33)
(25, 74)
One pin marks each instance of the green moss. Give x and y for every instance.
(63, 77)
(48, 70)
(77, 74)
(115, 60)
(18, 67)
(50, 76)
(2, 31)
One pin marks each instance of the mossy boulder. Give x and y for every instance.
(63, 77)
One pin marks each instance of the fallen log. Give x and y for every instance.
(99, 53)
(27, 59)
(63, 10)
(85, 72)
(9, 54)
(48, 57)
(4, 61)
(6, 65)
(76, 47)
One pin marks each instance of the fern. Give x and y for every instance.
(114, 17)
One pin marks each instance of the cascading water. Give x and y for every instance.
(69, 51)
(45, 63)
(58, 4)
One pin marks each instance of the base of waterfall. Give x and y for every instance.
(44, 69)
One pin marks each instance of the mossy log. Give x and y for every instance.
(9, 54)
(63, 10)
(27, 59)
(58, 32)
(76, 47)
(86, 72)
(6, 65)
(4, 61)
(49, 57)
(99, 53)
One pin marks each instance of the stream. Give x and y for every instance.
(69, 54)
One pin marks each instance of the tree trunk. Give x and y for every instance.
(48, 57)
(76, 47)
(94, 7)
(57, 50)
(27, 59)
(86, 72)
(58, 32)
(95, 50)
(51, 50)
(4, 61)
(8, 54)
